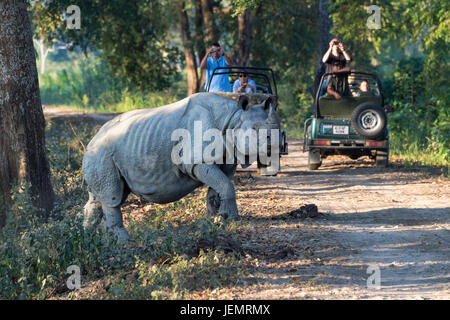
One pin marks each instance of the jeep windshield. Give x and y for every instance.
(264, 78)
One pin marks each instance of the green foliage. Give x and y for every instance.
(174, 279)
(132, 37)
(239, 6)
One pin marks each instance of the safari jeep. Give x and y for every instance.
(355, 125)
(266, 87)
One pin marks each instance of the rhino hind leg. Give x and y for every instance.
(114, 223)
(92, 212)
(212, 202)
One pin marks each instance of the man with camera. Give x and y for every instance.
(336, 54)
(215, 57)
(336, 59)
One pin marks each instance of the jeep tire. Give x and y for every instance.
(368, 120)
(382, 159)
(314, 161)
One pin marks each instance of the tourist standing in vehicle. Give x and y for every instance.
(335, 58)
(244, 84)
(336, 55)
(337, 84)
(215, 57)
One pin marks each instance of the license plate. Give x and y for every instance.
(340, 129)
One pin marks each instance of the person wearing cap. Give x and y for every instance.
(244, 84)
(215, 57)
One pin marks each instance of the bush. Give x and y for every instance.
(415, 140)
(35, 254)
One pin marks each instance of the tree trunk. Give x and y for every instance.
(208, 20)
(325, 24)
(244, 38)
(22, 124)
(199, 38)
(43, 52)
(189, 53)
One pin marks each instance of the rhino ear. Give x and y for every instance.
(243, 102)
(269, 101)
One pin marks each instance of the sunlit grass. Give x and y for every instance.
(413, 153)
(84, 84)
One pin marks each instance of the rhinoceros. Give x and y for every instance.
(133, 153)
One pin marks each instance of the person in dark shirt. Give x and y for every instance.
(335, 56)
(337, 84)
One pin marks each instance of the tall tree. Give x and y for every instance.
(208, 20)
(22, 124)
(244, 38)
(199, 38)
(199, 35)
(189, 53)
(325, 25)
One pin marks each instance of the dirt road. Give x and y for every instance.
(395, 221)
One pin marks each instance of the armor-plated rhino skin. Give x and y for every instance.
(132, 153)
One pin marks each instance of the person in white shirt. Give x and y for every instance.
(244, 84)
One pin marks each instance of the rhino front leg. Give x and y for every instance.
(212, 198)
(114, 223)
(216, 179)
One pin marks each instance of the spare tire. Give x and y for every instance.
(369, 120)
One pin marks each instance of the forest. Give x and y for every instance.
(127, 55)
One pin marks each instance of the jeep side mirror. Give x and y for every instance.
(387, 108)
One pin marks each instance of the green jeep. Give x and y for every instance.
(355, 125)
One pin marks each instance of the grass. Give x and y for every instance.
(85, 84)
(176, 249)
(413, 153)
